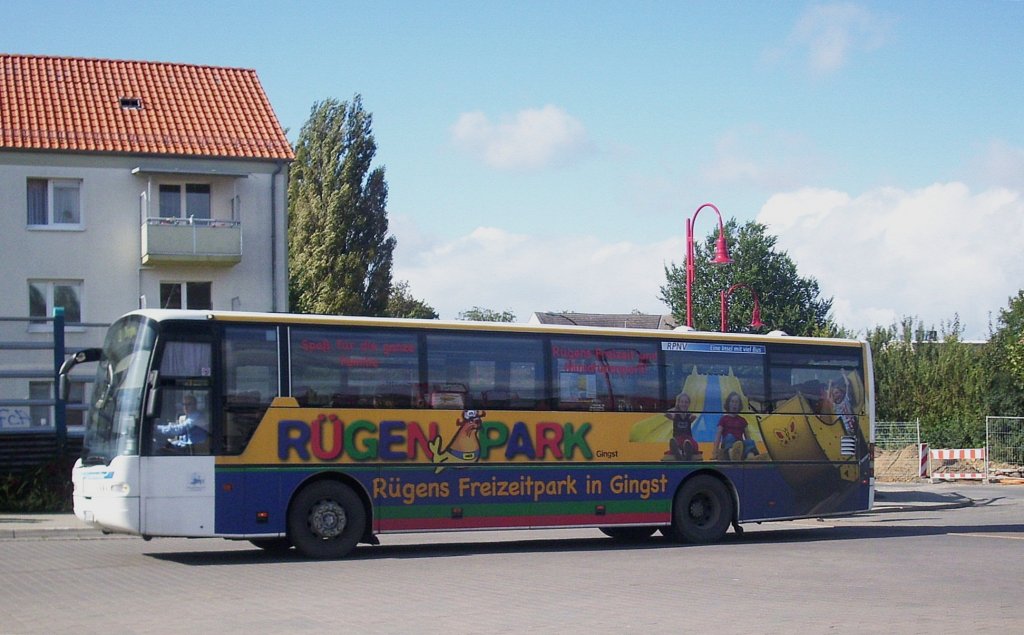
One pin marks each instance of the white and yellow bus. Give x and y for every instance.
(320, 433)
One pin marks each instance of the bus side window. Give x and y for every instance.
(250, 382)
(599, 374)
(348, 367)
(489, 371)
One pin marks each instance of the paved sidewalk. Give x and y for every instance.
(889, 497)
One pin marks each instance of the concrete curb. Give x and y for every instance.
(62, 533)
(42, 526)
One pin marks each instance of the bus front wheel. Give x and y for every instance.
(702, 510)
(326, 520)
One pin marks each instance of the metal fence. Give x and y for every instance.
(897, 458)
(1004, 437)
(34, 420)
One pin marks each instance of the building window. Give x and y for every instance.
(76, 405)
(191, 200)
(186, 295)
(41, 415)
(44, 295)
(54, 202)
(170, 201)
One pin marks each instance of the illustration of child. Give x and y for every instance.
(682, 446)
(732, 429)
(842, 406)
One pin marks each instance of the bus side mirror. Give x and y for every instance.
(81, 357)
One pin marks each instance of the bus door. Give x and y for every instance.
(177, 472)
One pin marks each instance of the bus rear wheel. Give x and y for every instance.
(702, 510)
(326, 520)
(628, 534)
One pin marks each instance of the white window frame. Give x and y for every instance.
(52, 223)
(48, 290)
(183, 292)
(183, 211)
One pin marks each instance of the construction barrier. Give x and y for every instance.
(939, 461)
(923, 458)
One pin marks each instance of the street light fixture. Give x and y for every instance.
(755, 321)
(721, 256)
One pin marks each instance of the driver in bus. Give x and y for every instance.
(190, 430)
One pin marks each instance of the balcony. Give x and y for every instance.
(187, 241)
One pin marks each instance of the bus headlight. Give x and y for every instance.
(120, 489)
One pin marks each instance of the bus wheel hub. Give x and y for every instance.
(327, 519)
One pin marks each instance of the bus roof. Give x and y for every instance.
(510, 327)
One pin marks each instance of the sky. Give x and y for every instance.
(545, 156)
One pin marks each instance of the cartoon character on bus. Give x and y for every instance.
(465, 444)
(732, 441)
(681, 445)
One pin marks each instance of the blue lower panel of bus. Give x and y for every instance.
(254, 500)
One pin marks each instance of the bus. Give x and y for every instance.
(319, 433)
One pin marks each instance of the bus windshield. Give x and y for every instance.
(112, 426)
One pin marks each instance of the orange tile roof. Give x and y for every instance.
(75, 104)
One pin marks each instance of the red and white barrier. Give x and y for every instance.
(973, 454)
(968, 454)
(924, 457)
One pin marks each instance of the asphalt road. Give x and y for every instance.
(917, 570)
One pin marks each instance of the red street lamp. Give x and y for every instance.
(721, 256)
(755, 320)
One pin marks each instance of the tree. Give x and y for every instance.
(789, 302)
(932, 376)
(478, 314)
(340, 254)
(1005, 361)
(401, 304)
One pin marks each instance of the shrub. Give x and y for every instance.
(45, 488)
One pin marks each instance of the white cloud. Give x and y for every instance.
(531, 139)
(830, 33)
(932, 253)
(496, 269)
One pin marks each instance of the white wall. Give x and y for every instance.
(106, 252)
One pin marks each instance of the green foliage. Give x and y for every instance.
(46, 488)
(339, 251)
(1005, 361)
(478, 314)
(401, 304)
(789, 302)
(941, 381)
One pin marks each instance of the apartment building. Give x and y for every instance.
(128, 184)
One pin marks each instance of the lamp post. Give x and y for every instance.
(755, 320)
(721, 256)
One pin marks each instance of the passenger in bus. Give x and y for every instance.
(682, 446)
(189, 433)
(731, 440)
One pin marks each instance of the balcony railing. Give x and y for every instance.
(199, 241)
